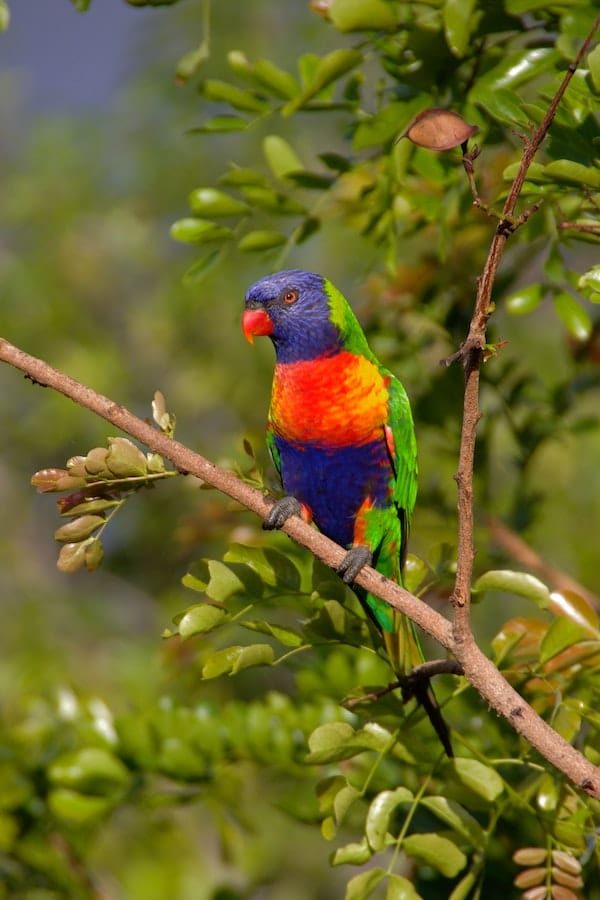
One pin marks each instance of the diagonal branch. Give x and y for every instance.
(478, 669)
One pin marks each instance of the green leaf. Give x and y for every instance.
(331, 742)
(562, 633)
(15, 788)
(71, 557)
(464, 889)
(199, 231)
(93, 554)
(208, 201)
(338, 740)
(79, 529)
(4, 15)
(218, 124)
(95, 462)
(380, 811)
(98, 504)
(362, 15)
(399, 888)
(518, 7)
(286, 636)
(336, 796)
(124, 459)
(517, 68)
(535, 173)
(459, 23)
(520, 583)
(415, 571)
(200, 269)
(271, 201)
(456, 817)
(220, 581)
(343, 801)
(363, 885)
(375, 737)
(75, 808)
(571, 172)
(353, 854)
(276, 80)
(253, 655)
(201, 618)
(239, 176)
(313, 181)
(593, 60)
(222, 91)
(567, 722)
(274, 568)
(436, 851)
(281, 157)
(306, 229)
(574, 607)
(265, 74)
(91, 770)
(190, 62)
(232, 660)
(525, 300)
(389, 122)
(479, 778)
(335, 162)
(591, 278)
(328, 70)
(500, 103)
(573, 316)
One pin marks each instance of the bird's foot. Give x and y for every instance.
(280, 512)
(355, 560)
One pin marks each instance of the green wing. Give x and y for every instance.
(272, 448)
(404, 456)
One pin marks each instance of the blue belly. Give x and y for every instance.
(335, 483)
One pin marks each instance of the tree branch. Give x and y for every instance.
(481, 673)
(475, 665)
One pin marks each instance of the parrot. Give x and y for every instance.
(341, 436)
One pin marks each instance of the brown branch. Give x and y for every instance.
(475, 665)
(478, 669)
(582, 227)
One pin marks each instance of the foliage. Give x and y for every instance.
(275, 710)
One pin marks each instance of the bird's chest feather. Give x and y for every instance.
(335, 401)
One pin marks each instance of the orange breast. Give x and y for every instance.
(335, 401)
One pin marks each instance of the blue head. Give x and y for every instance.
(294, 309)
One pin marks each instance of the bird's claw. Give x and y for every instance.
(280, 512)
(355, 560)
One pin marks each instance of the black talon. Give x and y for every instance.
(355, 560)
(280, 512)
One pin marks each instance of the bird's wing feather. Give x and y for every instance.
(272, 447)
(400, 436)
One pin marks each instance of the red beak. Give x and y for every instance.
(256, 322)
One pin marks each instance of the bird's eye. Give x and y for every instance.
(290, 297)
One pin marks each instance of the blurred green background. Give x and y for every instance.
(97, 160)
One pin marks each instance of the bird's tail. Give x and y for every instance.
(405, 654)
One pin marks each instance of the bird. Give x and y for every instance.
(341, 435)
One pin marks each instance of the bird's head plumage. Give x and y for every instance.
(304, 315)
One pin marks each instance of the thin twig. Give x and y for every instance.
(478, 669)
(582, 227)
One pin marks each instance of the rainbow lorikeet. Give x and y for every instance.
(341, 435)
